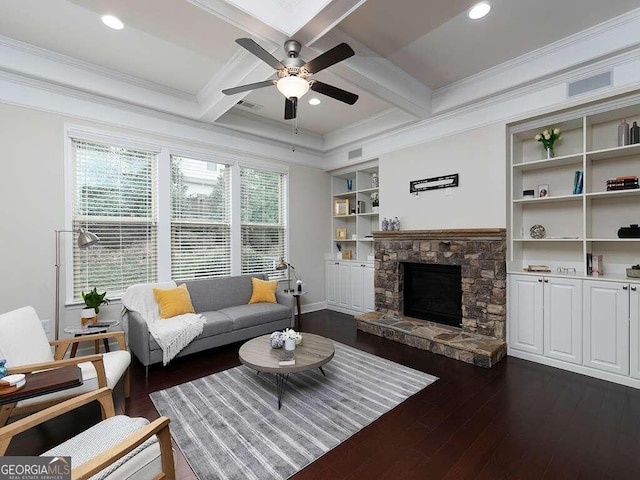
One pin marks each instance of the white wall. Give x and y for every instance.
(479, 157)
(32, 197)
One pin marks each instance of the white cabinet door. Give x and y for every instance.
(357, 287)
(344, 285)
(368, 286)
(563, 319)
(606, 326)
(634, 328)
(525, 313)
(333, 280)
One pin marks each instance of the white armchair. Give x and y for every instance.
(117, 448)
(24, 344)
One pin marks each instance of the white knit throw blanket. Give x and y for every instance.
(172, 334)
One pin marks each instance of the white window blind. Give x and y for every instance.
(263, 220)
(200, 219)
(114, 196)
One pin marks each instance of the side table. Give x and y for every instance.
(88, 330)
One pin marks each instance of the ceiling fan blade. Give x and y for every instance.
(290, 108)
(334, 92)
(260, 52)
(247, 87)
(330, 57)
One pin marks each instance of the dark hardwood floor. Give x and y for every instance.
(517, 420)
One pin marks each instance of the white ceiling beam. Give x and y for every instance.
(366, 70)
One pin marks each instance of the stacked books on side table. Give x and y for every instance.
(628, 182)
(11, 383)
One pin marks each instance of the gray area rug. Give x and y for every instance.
(228, 425)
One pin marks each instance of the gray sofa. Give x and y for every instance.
(224, 303)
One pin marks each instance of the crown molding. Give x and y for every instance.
(92, 68)
(16, 89)
(606, 39)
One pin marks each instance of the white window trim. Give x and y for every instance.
(164, 150)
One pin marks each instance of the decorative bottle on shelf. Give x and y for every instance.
(634, 133)
(3, 368)
(374, 180)
(395, 224)
(385, 224)
(623, 133)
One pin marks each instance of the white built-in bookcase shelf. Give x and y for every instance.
(575, 224)
(362, 224)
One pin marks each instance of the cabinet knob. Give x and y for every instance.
(546, 280)
(336, 263)
(362, 265)
(540, 280)
(633, 289)
(626, 287)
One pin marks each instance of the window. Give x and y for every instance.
(162, 215)
(200, 219)
(263, 220)
(114, 196)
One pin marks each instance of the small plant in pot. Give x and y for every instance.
(93, 300)
(375, 201)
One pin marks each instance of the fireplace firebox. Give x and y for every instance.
(433, 292)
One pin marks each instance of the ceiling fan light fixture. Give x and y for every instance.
(292, 86)
(112, 22)
(479, 10)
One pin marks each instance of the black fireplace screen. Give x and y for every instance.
(433, 293)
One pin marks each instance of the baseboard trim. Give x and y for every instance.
(313, 307)
(581, 369)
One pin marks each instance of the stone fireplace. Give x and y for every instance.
(480, 255)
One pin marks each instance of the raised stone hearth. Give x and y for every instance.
(442, 339)
(481, 254)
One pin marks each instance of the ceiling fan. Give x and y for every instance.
(294, 74)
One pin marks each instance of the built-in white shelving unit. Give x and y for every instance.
(575, 321)
(575, 224)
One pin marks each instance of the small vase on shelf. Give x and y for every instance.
(290, 344)
(623, 133)
(634, 134)
(549, 153)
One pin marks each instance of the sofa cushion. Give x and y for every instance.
(173, 301)
(263, 291)
(244, 316)
(217, 323)
(211, 294)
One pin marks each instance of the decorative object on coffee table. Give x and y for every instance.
(277, 340)
(537, 232)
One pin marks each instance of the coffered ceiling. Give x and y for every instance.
(176, 56)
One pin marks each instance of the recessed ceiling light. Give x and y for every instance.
(314, 101)
(112, 22)
(479, 10)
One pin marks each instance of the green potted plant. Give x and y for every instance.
(92, 300)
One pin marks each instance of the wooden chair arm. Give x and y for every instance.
(158, 427)
(102, 395)
(34, 367)
(97, 361)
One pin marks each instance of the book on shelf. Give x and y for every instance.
(287, 358)
(622, 183)
(597, 265)
(589, 264)
(578, 181)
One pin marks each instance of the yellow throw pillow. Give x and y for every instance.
(263, 291)
(173, 301)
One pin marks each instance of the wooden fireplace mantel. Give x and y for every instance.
(449, 234)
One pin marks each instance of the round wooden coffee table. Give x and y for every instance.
(313, 352)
